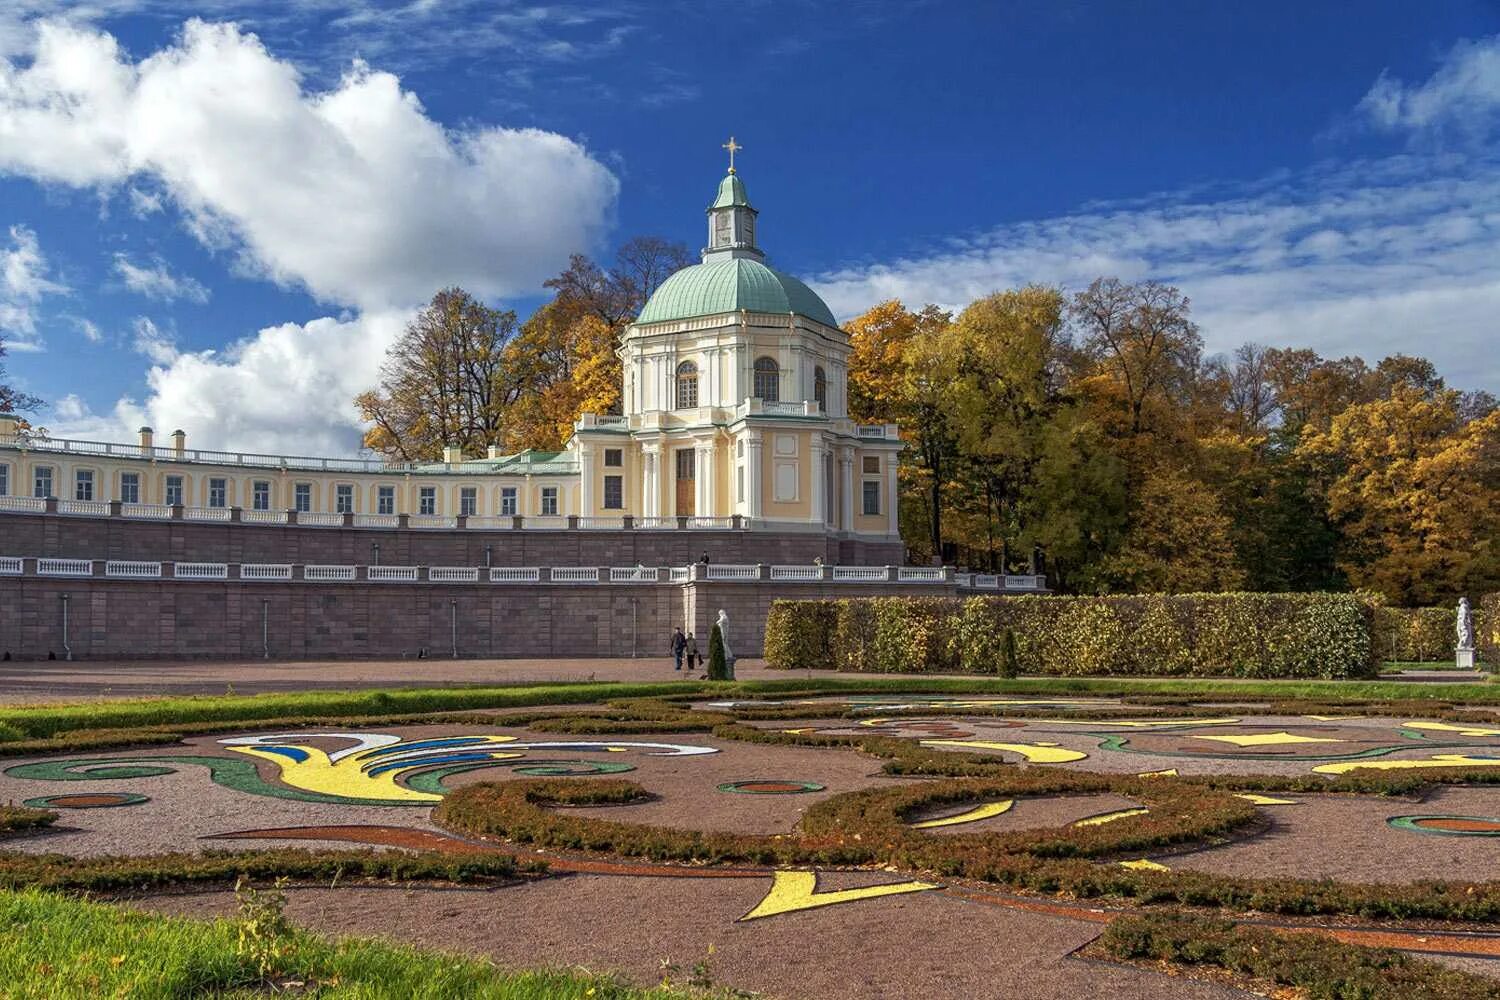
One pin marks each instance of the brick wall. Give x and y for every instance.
(150, 619)
(71, 537)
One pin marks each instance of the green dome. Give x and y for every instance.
(729, 286)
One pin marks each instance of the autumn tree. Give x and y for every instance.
(443, 382)
(1178, 541)
(13, 400)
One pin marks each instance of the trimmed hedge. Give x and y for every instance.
(1487, 630)
(1420, 635)
(1205, 635)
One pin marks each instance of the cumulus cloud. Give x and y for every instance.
(155, 280)
(1462, 95)
(288, 389)
(353, 193)
(152, 342)
(1370, 258)
(23, 284)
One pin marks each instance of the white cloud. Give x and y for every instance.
(23, 284)
(152, 342)
(353, 194)
(144, 203)
(1463, 94)
(288, 389)
(1370, 258)
(156, 280)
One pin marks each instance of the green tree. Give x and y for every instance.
(13, 400)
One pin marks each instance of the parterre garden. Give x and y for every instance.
(1246, 832)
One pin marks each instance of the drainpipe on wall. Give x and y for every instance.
(265, 629)
(453, 621)
(635, 627)
(67, 650)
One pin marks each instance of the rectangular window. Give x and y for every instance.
(4, 480)
(872, 498)
(549, 501)
(427, 500)
(739, 474)
(302, 497)
(872, 465)
(173, 496)
(130, 487)
(83, 485)
(614, 458)
(42, 481)
(260, 495)
(468, 501)
(385, 500)
(614, 492)
(218, 493)
(343, 495)
(507, 501)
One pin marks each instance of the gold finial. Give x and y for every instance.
(733, 148)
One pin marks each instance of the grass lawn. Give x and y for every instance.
(56, 948)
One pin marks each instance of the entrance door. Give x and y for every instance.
(687, 482)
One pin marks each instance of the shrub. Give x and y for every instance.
(1235, 635)
(1487, 630)
(718, 664)
(1418, 634)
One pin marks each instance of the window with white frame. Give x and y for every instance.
(218, 493)
(468, 501)
(41, 481)
(614, 458)
(83, 484)
(130, 487)
(173, 494)
(343, 498)
(507, 501)
(767, 380)
(427, 500)
(549, 501)
(4, 480)
(614, 492)
(260, 495)
(872, 497)
(687, 385)
(820, 388)
(302, 497)
(385, 500)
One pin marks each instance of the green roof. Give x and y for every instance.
(731, 192)
(729, 286)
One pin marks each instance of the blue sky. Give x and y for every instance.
(216, 216)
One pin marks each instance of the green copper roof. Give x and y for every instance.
(731, 192)
(729, 286)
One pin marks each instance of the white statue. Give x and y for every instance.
(1465, 624)
(723, 626)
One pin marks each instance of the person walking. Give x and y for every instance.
(692, 652)
(679, 646)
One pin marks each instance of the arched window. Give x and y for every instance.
(687, 385)
(767, 380)
(820, 388)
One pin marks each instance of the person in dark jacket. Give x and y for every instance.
(692, 652)
(679, 646)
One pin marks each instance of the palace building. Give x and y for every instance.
(735, 417)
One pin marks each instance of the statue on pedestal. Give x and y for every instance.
(1464, 653)
(723, 625)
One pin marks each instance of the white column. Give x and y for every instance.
(648, 480)
(817, 477)
(753, 468)
(585, 481)
(846, 488)
(706, 477)
(893, 496)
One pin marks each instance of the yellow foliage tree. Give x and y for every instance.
(1178, 540)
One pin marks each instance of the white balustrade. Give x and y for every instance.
(655, 523)
(388, 574)
(715, 571)
(329, 574)
(430, 521)
(64, 567)
(575, 574)
(715, 523)
(858, 574)
(515, 574)
(11, 565)
(205, 513)
(267, 572)
(601, 523)
(146, 511)
(986, 581)
(376, 521)
(796, 572)
(921, 574)
(453, 574)
(679, 574)
(263, 516)
(484, 522)
(545, 522)
(318, 519)
(633, 574)
(205, 571)
(964, 580)
(125, 569)
(1025, 582)
(88, 508)
(23, 505)
(872, 430)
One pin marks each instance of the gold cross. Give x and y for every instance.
(733, 148)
